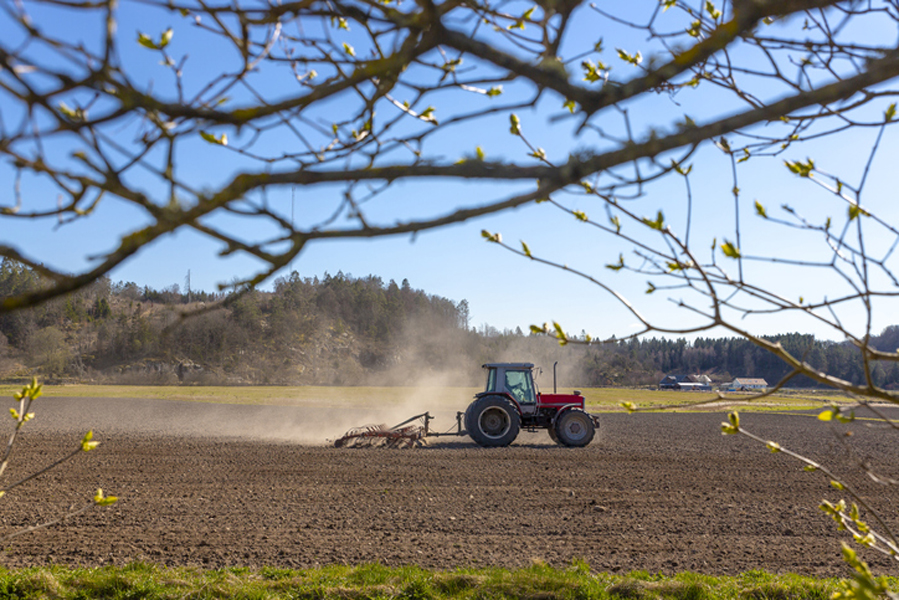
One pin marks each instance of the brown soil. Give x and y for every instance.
(655, 492)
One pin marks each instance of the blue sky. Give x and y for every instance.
(503, 290)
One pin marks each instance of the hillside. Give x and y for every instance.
(341, 330)
(336, 330)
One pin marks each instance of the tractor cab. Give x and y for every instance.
(514, 379)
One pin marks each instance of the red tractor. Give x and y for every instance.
(511, 402)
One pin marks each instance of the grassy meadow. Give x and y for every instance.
(374, 582)
(598, 399)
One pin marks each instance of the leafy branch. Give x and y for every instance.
(21, 416)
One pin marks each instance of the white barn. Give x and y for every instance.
(746, 383)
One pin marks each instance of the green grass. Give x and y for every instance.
(598, 399)
(374, 582)
(606, 398)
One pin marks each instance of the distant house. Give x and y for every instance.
(746, 383)
(686, 382)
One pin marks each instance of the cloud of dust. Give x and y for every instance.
(436, 394)
(317, 421)
(429, 370)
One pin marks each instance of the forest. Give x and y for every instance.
(343, 330)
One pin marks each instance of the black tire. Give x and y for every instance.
(466, 420)
(492, 421)
(574, 428)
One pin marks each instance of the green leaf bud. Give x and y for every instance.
(634, 59)
(827, 415)
(730, 250)
(101, 500)
(212, 139)
(145, 41)
(658, 223)
(802, 169)
(856, 211)
(492, 237)
(166, 37)
(617, 266)
(515, 124)
(86, 444)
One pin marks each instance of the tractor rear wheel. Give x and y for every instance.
(492, 421)
(466, 420)
(574, 428)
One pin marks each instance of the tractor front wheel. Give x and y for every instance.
(574, 428)
(552, 434)
(492, 421)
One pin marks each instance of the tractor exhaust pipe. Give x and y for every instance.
(554, 377)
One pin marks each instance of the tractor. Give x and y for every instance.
(511, 402)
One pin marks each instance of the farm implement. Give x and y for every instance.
(509, 403)
(408, 434)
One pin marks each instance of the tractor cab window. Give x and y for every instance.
(491, 380)
(520, 385)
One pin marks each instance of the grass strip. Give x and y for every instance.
(376, 582)
(597, 399)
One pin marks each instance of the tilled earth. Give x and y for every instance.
(655, 492)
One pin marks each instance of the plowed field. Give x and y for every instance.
(215, 486)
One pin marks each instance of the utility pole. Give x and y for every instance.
(187, 285)
(293, 197)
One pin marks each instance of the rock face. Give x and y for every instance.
(221, 485)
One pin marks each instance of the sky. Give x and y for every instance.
(503, 290)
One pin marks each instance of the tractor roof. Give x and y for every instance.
(508, 365)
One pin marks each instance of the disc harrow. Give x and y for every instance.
(407, 434)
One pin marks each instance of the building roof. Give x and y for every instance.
(750, 381)
(687, 379)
